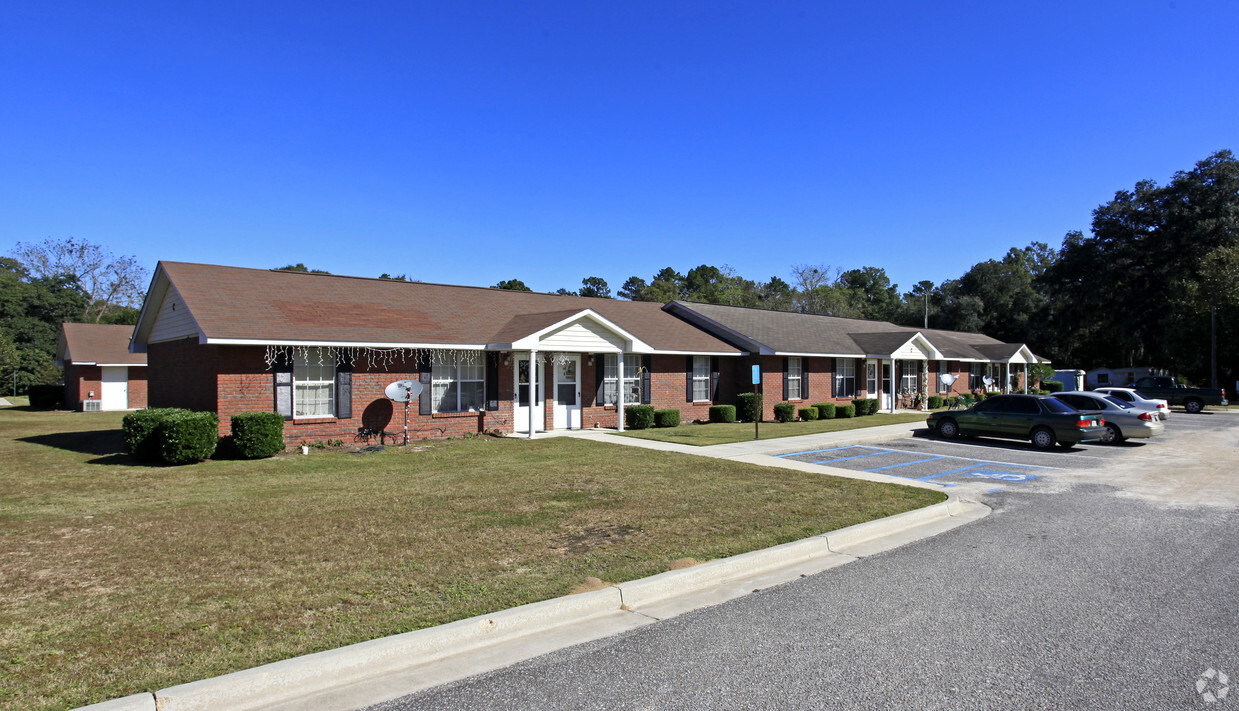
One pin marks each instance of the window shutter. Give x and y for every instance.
(600, 373)
(785, 377)
(423, 400)
(688, 377)
(283, 385)
(804, 378)
(713, 377)
(344, 394)
(492, 381)
(834, 379)
(646, 363)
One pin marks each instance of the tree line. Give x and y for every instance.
(1152, 284)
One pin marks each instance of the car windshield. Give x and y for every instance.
(1054, 405)
(1118, 402)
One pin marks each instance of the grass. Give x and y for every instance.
(725, 433)
(117, 578)
(16, 400)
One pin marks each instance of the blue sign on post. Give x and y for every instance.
(757, 375)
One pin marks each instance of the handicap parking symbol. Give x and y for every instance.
(999, 476)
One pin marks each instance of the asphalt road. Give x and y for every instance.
(1072, 594)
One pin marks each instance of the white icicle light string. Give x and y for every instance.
(374, 358)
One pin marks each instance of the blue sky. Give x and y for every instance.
(472, 142)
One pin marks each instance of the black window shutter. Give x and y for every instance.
(804, 378)
(834, 377)
(600, 372)
(423, 400)
(784, 377)
(344, 394)
(646, 363)
(688, 389)
(713, 377)
(283, 384)
(492, 381)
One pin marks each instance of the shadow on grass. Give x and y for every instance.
(107, 445)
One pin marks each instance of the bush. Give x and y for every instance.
(257, 435)
(1052, 386)
(808, 414)
(722, 413)
(141, 432)
(748, 407)
(45, 396)
(935, 402)
(845, 411)
(638, 417)
(187, 437)
(784, 412)
(825, 410)
(858, 405)
(666, 418)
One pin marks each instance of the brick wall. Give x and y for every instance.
(137, 388)
(80, 380)
(181, 374)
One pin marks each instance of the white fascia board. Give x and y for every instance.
(342, 344)
(805, 354)
(710, 324)
(146, 317)
(532, 341)
(121, 365)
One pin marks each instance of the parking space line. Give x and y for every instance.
(906, 464)
(954, 471)
(844, 459)
(819, 451)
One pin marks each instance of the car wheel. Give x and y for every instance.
(948, 429)
(1193, 406)
(1043, 438)
(1113, 435)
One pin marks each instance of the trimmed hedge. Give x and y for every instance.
(936, 402)
(748, 405)
(638, 417)
(45, 396)
(666, 418)
(258, 435)
(808, 414)
(1050, 385)
(141, 432)
(825, 410)
(784, 412)
(188, 437)
(845, 411)
(865, 406)
(722, 413)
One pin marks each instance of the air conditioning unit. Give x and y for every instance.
(91, 405)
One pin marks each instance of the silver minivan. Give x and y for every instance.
(1122, 420)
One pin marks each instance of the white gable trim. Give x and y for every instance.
(538, 339)
(918, 347)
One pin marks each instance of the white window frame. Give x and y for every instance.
(944, 368)
(310, 365)
(976, 371)
(701, 378)
(795, 372)
(913, 374)
(443, 376)
(845, 377)
(632, 379)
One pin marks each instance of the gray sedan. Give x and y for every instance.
(1122, 420)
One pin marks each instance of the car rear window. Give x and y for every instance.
(1053, 405)
(1118, 402)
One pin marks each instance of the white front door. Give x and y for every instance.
(888, 393)
(114, 388)
(567, 412)
(521, 374)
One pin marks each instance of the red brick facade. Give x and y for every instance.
(85, 382)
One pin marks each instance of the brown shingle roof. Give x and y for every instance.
(265, 306)
(97, 343)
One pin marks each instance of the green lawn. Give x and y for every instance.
(117, 578)
(725, 433)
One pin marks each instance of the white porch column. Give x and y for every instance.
(619, 392)
(533, 388)
(1006, 378)
(1025, 378)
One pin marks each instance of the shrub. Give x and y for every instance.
(187, 437)
(257, 435)
(845, 411)
(141, 432)
(666, 418)
(825, 410)
(748, 406)
(858, 405)
(638, 417)
(1052, 386)
(722, 413)
(785, 412)
(935, 402)
(45, 396)
(808, 414)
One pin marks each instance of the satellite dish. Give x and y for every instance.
(987, 380)
(948, 379)
(403, 390)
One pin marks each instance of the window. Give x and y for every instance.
(1103, 378)
(976, 373)
(793, 379)
(701, 378)
(458, 387)
(314, 382)
(944, 368)
(909, 378)
(632, 378)
(845, 377)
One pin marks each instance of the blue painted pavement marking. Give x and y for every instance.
(906, 464)
(844, 459)
(1001, 476)
(819, 451)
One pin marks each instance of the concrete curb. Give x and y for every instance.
(321, 673)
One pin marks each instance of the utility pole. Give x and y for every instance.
(926, 309)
